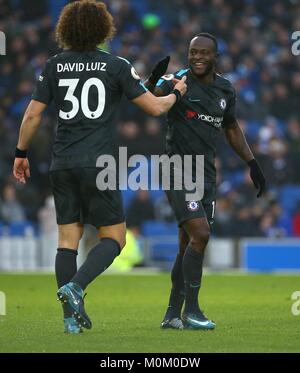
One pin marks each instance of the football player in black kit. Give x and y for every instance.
(194, 126)
(86, 85)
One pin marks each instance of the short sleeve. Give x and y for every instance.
(230, 116)
(42, 91)
(130, 81)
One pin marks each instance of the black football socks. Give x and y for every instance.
(177, 292)
(192, 273)
(65, 269)
(98, 260)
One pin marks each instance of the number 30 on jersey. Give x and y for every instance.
(72, 84)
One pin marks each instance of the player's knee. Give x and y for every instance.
(68, 244)
(121, 240)
(116, 233)
(200, 238)
(182, 246)
(69, 236)
(183, 241)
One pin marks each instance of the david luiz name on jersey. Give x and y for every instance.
(80, 66)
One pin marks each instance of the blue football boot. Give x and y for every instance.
(72, 294)
(197, 321)
(71, 326)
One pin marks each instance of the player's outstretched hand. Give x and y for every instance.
(21, 169)
(159, 70)
(257, 176)
(180, 85)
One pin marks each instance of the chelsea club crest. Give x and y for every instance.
(222, 103)
(193, 205)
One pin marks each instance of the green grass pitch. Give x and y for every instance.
(252, 312)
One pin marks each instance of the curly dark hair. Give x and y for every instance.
(83, 25)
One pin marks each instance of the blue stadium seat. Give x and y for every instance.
(285, 222)
(156, 228)
(140, 7)
(290, 198)
(127, 195)
(156, 194)
(164, 252)
(22, 229)
(282, 127)
(252, 130)
(235, 178)
(3, 229)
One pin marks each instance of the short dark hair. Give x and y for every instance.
(83, 25)
(209, 36)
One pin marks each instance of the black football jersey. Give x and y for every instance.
(195, 122)
(86, 89)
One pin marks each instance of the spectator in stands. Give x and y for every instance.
(140, 210)
(269, 227)
(163, 211)
(11, 210)
(152, 140)
(244, 223)
(128, 136)
(293, 136)
(296, 222)
(223, 218)
(280, 167)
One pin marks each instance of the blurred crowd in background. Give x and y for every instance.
(254, 39)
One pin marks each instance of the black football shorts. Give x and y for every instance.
(187, 210)
(77, 198)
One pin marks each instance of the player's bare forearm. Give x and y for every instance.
(155, 106)
(30, 124)
(28, 129)
(165, 103)
(238, 142)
